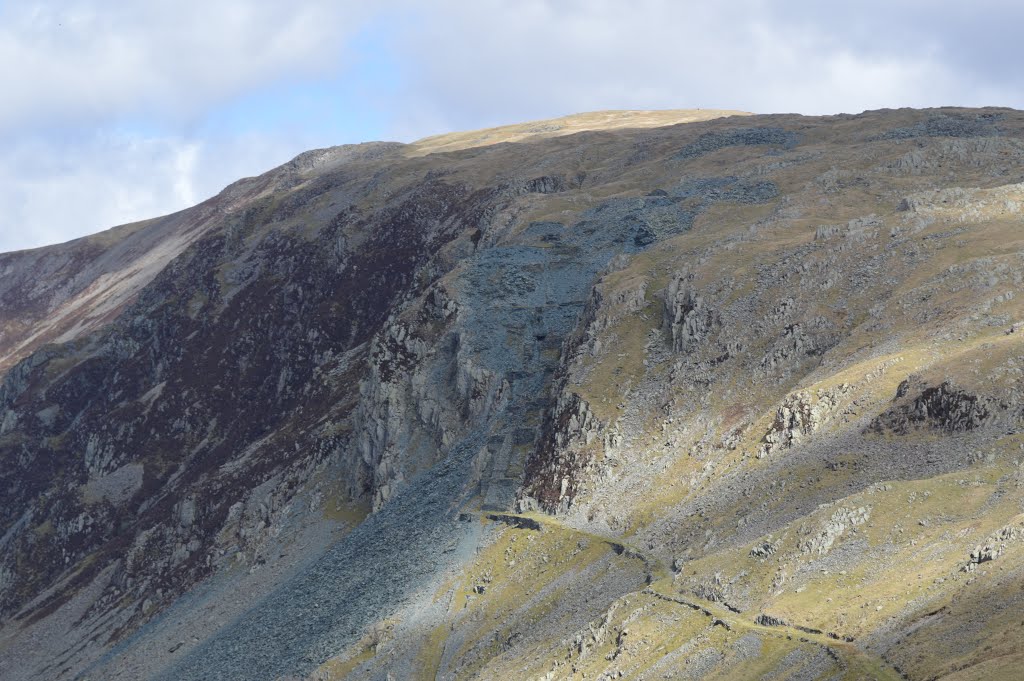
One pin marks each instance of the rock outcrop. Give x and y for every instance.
(943, 407)
(689, 317)
(800, 415)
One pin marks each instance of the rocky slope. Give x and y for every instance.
(621, 395)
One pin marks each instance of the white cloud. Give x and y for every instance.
(90, 60)
(493, 61)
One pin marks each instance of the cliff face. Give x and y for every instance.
(622, 394)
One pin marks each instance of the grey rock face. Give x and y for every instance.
(555, 467)
(711, 142)
(799, 416)
(690, 319)
(949, 125)
(841, 521)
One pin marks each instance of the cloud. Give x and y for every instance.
(75, 61)
(493, 61)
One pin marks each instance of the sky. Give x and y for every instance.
(114, 111)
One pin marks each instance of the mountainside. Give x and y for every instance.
(58, 293)
(646, 395)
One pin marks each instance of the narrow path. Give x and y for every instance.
(844, 652)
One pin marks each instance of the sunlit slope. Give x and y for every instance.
(606, 121)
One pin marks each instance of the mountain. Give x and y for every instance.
(645, 395)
